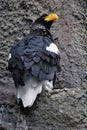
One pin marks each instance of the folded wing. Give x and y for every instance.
(34, 57)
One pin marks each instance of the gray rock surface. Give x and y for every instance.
(65, 108)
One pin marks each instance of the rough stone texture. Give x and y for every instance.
(65, 108)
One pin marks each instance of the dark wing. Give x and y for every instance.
(15, 63)
(31, 59)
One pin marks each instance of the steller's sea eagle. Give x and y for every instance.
(34, 60)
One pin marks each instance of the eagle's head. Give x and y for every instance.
(46, 20)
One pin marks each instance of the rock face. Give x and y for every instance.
(65, 108)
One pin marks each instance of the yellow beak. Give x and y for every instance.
(51, 17)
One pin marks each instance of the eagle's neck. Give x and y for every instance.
(39, 29)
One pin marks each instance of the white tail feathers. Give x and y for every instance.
(29, 92)
(32, 88)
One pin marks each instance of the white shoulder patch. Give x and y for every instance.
(9, 56)
(53, 48)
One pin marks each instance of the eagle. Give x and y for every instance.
(34, 60)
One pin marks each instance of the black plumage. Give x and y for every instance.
(29, 57)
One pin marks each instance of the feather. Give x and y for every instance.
(35, 70)
(29, 92)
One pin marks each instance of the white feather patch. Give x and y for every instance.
(9, 56)
(53, 48)
(29, 92)
(48, 85)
